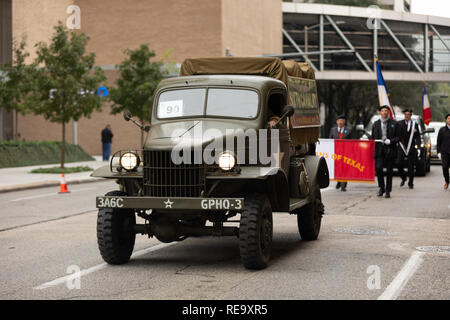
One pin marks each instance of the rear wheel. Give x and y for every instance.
(255, 232)
(115, 234)
(309, 217)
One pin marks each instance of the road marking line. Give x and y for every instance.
(48, 194)
(100, 267)
(409, 268)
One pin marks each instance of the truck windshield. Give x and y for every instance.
(237, 103)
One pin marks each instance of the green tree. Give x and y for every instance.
(16, 83)
(439, 96)
(358, 101)
(138, 79)
(67, 80)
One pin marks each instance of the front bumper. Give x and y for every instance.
(171, 203)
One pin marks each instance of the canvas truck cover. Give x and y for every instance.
(269, 67)
(298, 77)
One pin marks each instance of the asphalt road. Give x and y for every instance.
(368, 248)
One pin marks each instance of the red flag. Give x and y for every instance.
(348, 159)
(426, 107)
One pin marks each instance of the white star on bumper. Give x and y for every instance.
(168, 203)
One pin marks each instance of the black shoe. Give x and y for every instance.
(380, 192)
(411, 186)
(402, 183)
(338, 185)
(343, 189)
(388, 195)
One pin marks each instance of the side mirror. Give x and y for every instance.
(429, 130)
(359, 127)
(127, 115)
(288, 111)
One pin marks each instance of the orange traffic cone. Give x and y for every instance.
(63, 185)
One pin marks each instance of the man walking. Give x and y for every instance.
(409, 138)
(386, 130)
(106, 142)
(443, 148)
(341, 132)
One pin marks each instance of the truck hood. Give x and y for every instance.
(193, 133)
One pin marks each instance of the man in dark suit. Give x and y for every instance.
(341, 132)
(409, 138)
(443, 148)
(386, 131)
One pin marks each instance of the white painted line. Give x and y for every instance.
(48, 195)
(100, 267)
(34, 197)
(396, 286)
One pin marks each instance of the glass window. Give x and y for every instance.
(232, 103)
(181, 103)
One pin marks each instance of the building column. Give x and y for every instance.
(6, 118)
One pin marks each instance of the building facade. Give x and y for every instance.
(340, 42)
(185, 28)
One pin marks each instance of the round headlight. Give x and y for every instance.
(226, 161)
(129, 161)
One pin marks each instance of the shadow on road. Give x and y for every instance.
(223, 253)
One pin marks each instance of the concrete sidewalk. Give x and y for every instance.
(20, 178)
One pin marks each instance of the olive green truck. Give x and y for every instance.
(229, 138)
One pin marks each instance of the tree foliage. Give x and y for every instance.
(138, 79)
(66, 80)
(136, 85)
(358, 101)
(16, 81)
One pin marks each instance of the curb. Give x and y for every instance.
(36, 185)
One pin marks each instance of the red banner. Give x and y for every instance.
(348, 160)
(357, 161)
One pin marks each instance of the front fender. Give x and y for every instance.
(317, 170)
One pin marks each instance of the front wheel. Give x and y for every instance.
(421, 168)
(309, 217)
(115, 234)
(256, 231)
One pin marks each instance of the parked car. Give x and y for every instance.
(433, 136)
(423, 161)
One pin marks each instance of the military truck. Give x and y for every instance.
(180, 192)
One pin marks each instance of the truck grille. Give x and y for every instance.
(162, 178)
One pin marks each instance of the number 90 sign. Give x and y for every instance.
(170, 109)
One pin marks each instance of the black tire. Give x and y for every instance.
(309, 217)
(115, 234)
(421, 169)
(256, 231)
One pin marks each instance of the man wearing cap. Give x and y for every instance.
(443, 148)
(341, 132)
(409, 138)
(385, 130)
